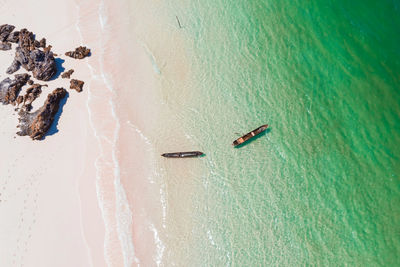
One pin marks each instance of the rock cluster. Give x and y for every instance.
(34, 56)
(29, 55)
(36, 124)
(79, 53)
(10, 89)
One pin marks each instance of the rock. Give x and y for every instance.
(31, 94)
(15, 65)
(41, 63)
(20, 99)
(76, 84)
(67, 74)
(30, 82)
(36, 43)
(37, 124)
(45, 65)
(23, 58)
(9, 89)
(5, 46)
(26, 40)
(13, 37)
(42, 43)
(79, 53)
(5, 30)
(47, 49)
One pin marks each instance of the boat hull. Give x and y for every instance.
(250, 135)
(189, 154)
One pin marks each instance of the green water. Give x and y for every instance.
(322, 187)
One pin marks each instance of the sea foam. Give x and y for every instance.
(121, 212)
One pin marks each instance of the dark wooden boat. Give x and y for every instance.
(190, 154)
(250, 135)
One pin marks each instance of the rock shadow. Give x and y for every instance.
(60, 68)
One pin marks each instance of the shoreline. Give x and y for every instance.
(106, 173)
(151, 219)
(121, 188)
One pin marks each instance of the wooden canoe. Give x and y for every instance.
(189, 154)
(250, 135)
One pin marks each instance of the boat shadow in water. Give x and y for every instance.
(254, 138)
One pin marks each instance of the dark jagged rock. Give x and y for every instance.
(67, 74)
(37, 124)
(47, 48)
(76, 84)
(9, 89)
(26, 40)
(13, 37)
(5, 46)
(31, 94)
(79, 53)
(36, 57)
(23, 58)
(42, 43)
(5, 30)
(36, 43)
(41, 63)
(45, 65)
(15, 65)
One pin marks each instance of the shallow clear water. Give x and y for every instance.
(322, 186)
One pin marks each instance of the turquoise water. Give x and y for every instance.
(322, 187)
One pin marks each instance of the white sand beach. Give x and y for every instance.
(49, 212)
(91, 192)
